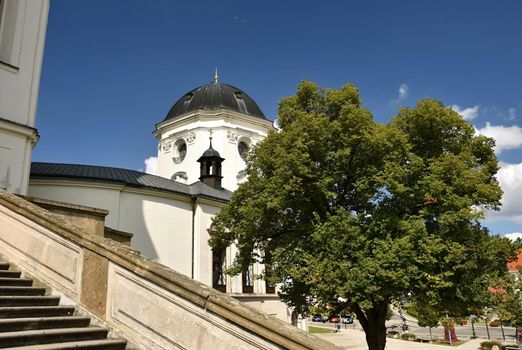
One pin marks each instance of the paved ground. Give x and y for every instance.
(354, 340)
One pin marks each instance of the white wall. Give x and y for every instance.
(162, 226)
(16, 144)
(22, 34)
(106, 197)
(203, 256)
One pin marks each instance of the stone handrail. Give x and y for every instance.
(151, 304)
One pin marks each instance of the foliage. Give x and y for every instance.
(508, 301)
(450, 336)
(462, 321)
(427, 316)
(488, 344)
(317, 309)
(407, 336)
(494, 323)
(411, 309)
(355, 214)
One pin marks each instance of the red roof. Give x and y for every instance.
(516, 265)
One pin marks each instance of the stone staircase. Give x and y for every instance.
(35, 321)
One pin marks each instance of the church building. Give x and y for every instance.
(202, 144)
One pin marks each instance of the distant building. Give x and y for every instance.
(515, 265)
(22, 34)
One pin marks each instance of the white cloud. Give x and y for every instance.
(513, 236)
(506, 137)
(403, 91)
(276, 125)
(151, 165)
(510, 178)
(512, 114)
(466, 113)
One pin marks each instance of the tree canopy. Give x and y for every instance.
(353, 213)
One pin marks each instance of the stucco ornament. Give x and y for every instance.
(190, 137)
(167, 146)
(232, 137)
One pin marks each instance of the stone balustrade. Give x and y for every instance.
(151, 305)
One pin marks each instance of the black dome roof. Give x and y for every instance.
(209, 153)
(215, 96)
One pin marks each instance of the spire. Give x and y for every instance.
(210, 137)
(216, 77)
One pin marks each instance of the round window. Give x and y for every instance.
(181, 152)
(242, 148)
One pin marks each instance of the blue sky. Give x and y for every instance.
(112, 69)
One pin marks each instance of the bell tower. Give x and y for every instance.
(210, 166)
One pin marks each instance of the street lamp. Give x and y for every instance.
(473, 318)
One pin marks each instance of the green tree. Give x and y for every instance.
(356, 214)
(507, 301)
(427, 316)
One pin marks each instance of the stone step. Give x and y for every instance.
(105, 344)
(29, 323)
(31, 320)
(9, 281)
(35, 311)
(13, 290)
(9, 273)
(29, 301)
(49, 336)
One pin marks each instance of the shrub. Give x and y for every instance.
(411, 310)
(408, 336)
(488, 344)
(449, 331)
(494, 323)
(463, 321)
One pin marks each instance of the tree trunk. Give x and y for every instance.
(373, 322)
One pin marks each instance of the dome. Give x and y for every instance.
(209, 153)
(215, 96)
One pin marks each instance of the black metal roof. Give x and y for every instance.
(210, 153)
(131, 178)
(215, 96)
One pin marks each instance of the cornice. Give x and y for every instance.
(220, 114)
(20, 129)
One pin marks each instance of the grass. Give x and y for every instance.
(436, 341)
(455, 343)
(313, 329)
(442, 342)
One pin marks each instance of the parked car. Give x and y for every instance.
(318, 318)
(334, 319)
(346, 319)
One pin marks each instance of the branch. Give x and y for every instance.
(361, 316)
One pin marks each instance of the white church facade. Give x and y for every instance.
(202, 143)
(22, 35)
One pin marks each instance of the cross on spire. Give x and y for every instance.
(216, 77)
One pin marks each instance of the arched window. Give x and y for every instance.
(219, 268)
(180, 151)
(242, 148)
(248, 279)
